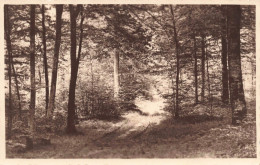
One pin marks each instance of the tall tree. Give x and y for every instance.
(237, 98)
(202, 67)
(74, 11)
(17, 91)
(195, 68)
(225, 90)
(176, 41)
(45, 63)
(116, 74)
(9, 51)
(59, 9)
(32, 69)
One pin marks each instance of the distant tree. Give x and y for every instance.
(32, 70)
(237, 98)
(59, 9)
(195, 68)
(177, 49)
(45, 63)
(116, 74)
(202, 67)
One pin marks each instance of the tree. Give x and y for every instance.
(116, 74)
(202, 67)
(45, 63)
(32, 69)
(237, 98)
(59, 9)
(225, 93)
(9, 50)
(177, 64)
(195, 68)
(74, 11)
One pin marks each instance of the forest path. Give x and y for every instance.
(132, 123)
(155, 135)
(126, 131)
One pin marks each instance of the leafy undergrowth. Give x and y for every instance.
(196, 135)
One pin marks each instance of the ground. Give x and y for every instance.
(155, 134)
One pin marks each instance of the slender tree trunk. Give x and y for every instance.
(203, 67)
(116, 74)
(9, 51)
(32, 68)
(71, 129)
(209, 90)
(177, 64)
(51, 105)
(225, 93)
(92, 84)
(40, 75)
(45, 63)
(237, 98)
(195, 70)
(18, 92)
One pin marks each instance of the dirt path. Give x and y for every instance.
(103, 136)
(155, 135)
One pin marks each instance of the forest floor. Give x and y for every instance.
(156, 135)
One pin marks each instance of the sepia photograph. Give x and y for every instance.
(129, 81)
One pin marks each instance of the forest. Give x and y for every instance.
(130, 81)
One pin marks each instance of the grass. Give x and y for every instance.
(156, 136)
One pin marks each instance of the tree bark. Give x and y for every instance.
(32, 70)
(202, 67)
(237, 98)
(116, 74)
(195, 70)
(45, 63)
(9, 51)
(71, 129)
(177, 64)
(209, 88)
(225, 89)
(51, 105)
(17, 91)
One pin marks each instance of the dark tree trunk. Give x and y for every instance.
(45, 63)
(51, 105)
(116, 74)
(177, 64)
(202, 67)
(9, 51)
(32, 68)
(237, 98)
(225, 93)
(195, 70)
(74, 11)
(209, 88)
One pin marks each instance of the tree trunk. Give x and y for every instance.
(9, 51)
(202, 67)
(45, 63)
(237, 98)
(209, 90)
(18, 92)
(32, 69)
(177, 65)
(51, 105)
(116, 74)
(71, 129)
(225, 93)
(195, 70)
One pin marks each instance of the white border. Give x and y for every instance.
(204, 161)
